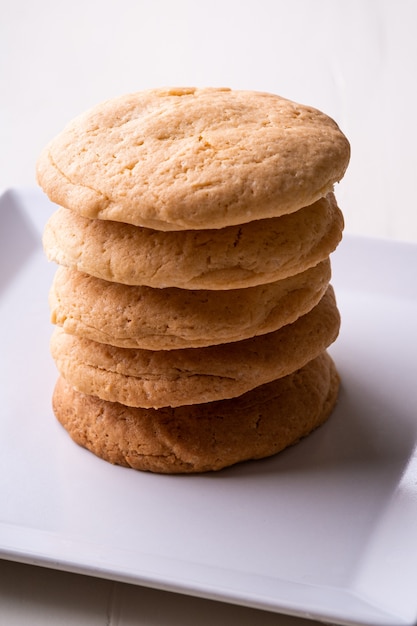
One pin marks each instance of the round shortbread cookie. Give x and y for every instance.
(204, 437)
(186, 158)
(229, 258)
(154, 379)
(171, 318)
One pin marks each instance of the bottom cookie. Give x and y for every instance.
(203, 437)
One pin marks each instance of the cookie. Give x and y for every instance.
(230, 258)
(205, 437)
(187, 158)
(154, 379)
(171, 318)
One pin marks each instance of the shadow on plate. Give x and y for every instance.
(368, 433)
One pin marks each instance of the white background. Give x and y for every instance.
(354, 59)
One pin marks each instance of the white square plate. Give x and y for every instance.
(327, 529)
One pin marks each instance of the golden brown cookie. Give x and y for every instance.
(203, 437)
(186, 158)
(166, 319)
(237, 256)
(151, 379)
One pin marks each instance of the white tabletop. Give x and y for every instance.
(354, 59)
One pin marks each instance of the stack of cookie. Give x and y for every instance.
(192, 301)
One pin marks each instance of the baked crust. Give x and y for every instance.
(171, 318)
(205, 437)
(187, 158)
(191, 376)
(246, 255)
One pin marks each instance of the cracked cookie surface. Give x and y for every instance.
(187, 158)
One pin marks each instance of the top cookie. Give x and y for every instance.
(190, 159)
